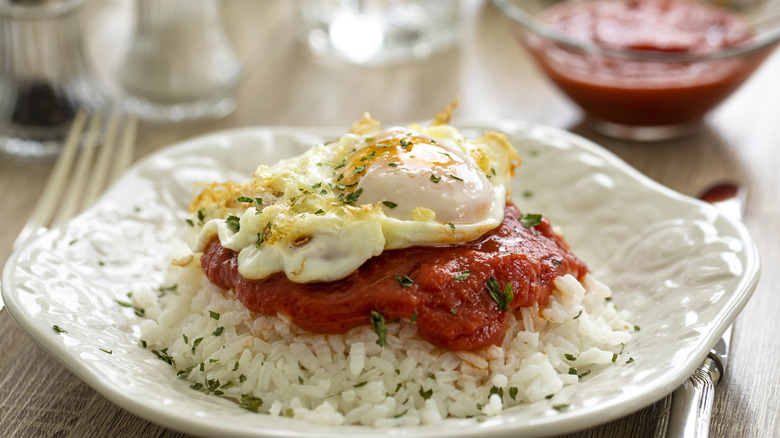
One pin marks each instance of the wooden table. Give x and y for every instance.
(285, 85)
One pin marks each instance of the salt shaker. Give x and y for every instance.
(180, 65)
(45, 75)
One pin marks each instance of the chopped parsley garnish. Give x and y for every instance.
(405, 144)
(300, 380)
(453, 311)
(358, 385)
(405, 280)
(350, 198)
(212, 385)
(235, 366)
(233, 223)
(143, 343)
(250, 402)
(455, 177)
(401, 414)
(369, 156)
(570, 357)
(186, 339)
(462, 276)
(496, 390)
(214, 315)
(572, 371)
(358, 169)
(378, 321)
(389, 204)
(341, 164)
(435, 178)
(242, 378)
(245, 199)
(138, 311)
(320, 211)
(578, 315)
(561, 407)
(426, 394)
(527, 194)
(345, 186)
(451, 225)
(414, 317)
(493, 171)
(636, 328)
(630, 360)
(218, 331)
(502, 299)
(392, 164)
(530, 220)
(513, 392)
(260, 238)
(170, 288)
(318, 185)
(72, 242)
(557, 262)
(165, 357)
(289, 412)
(59, 329)
(201, 215)
(614, 357)
(189, 222)
(549, 396)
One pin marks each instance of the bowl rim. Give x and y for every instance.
(764, 39)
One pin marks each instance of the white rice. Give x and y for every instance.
(349, 379)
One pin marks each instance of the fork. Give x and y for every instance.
(90, 175)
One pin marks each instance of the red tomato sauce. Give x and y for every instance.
(642, 92)
(451, 312)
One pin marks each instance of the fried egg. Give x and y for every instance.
(317, 217)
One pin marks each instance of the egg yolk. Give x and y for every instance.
(405, 171)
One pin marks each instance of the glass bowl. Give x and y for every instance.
(644, 93)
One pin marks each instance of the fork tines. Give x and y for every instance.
(83, 183)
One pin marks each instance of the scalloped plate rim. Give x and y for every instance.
(566, 422)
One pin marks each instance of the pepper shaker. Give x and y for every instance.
(45, 76)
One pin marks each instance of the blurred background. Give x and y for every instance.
(281, 82)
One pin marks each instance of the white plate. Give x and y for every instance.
(684, 271)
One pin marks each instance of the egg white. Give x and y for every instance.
(319, 216)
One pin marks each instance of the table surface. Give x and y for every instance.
(495, 79)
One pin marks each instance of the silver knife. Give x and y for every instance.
(687, 411)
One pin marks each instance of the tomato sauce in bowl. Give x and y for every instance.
(655, 65)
